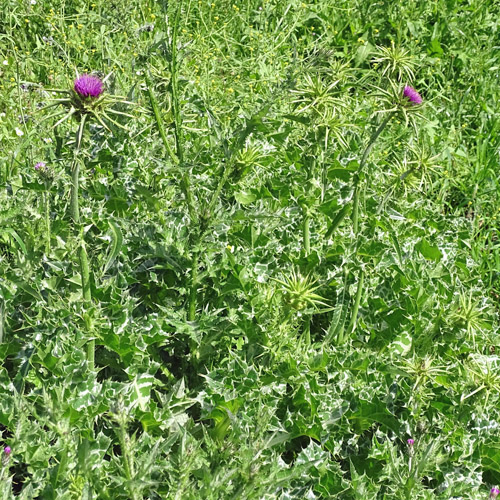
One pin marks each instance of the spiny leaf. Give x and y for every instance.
(116, 245)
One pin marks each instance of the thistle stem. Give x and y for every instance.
(128, 461)
(355, 215)
(47, 221)
(357, 300)
(179, 149)
(306, 232)
(82, 252)
(75, 180)
(364, 159)
(194, 285)
(179, 142)
(159, 119)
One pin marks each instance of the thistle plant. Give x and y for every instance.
(85, 101)
(482, 373)
(322, 100)
(396, 101)
(299, 292)
(87, 98)
(469, 314)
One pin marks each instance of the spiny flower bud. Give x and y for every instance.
(410, 442)
(6, 455)
(494, 492)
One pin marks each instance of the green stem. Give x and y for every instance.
(194, 285)
(355, 206)
(364, 159)
(82, 252)
(75, 180)
(128, 461)
(47, 221)
(159, 119)
(343, 212)
(179, 143)
(306, 232)
(355, 215)
(75, 174)
(179, 147)
(359, 292)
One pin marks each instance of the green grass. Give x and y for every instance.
(291, 269)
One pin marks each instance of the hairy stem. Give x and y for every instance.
(306, 232)
(179, 147)
(194, 285)
(47, 221)
(128, 461)
(364, 159)
(357, 300)
(355, 215)
(82, 252)
(179, 143)
(159, 119)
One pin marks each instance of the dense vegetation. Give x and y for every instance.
(252, 267)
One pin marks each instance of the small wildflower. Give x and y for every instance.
(88, 86)
(19, 132)
(494, 492)
(40, 165)
(5, 62)
(410, 442)
(411, 94)
(6, 455)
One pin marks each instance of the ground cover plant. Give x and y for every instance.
(249, 250)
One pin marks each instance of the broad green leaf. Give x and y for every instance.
(430, 252)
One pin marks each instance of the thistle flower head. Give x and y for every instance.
(86, 100)
(494, 492)
(88, 86)
(412, 95)
(299, 292)
(7, 450)
(410, 442)
(40, 165)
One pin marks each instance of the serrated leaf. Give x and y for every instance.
(141, 390)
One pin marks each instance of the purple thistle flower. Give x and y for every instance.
(88, 86)
(494, 492)
(411, 94)
(7, 450)
(40, 165)
(410, 442)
